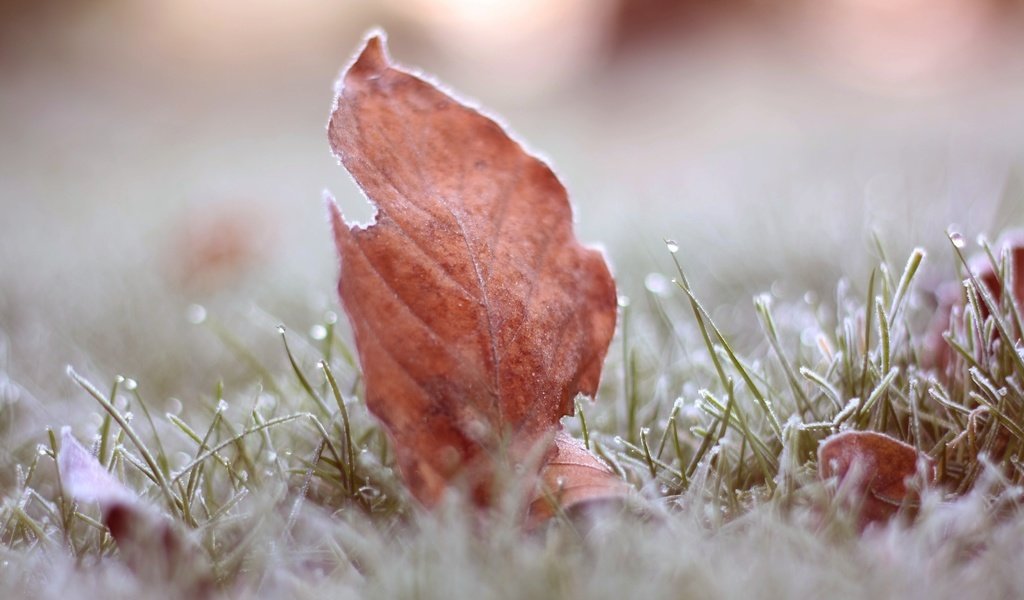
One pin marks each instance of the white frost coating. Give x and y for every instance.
(603, 251)
(332, 205)
(471, 103)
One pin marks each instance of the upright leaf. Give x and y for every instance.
(477, 315)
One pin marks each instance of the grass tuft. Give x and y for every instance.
(285, 492)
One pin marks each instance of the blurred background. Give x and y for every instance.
(163, 161)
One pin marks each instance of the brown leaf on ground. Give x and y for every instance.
(574, 480)
(477, 315)
(949, 295)
(1013, 243)
(876, 467)
(148, 542)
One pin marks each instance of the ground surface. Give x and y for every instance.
(123, 155)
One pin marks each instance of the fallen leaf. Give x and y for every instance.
(949, 295)
(574, 480)
(1011, 242)
(477, 315)
(148, 542)
(216, 246)
(876, 468)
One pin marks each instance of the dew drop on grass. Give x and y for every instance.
(957, 239)
(222, 405)
(42, 449)
(656, 284)
(174, 406)
(318, 332)
(370, 493)
(330, 317)
(130, 384)
(672, 246)
(119, 379)
(280, 329)
(195, 314)
(624, 301)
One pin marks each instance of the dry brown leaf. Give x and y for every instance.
(877, 467)
(147, 541)
(477, 315)
(949, 295)
(1013, 243)
(574, 479)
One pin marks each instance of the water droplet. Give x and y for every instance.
(119, 379)
(174, 406)
(42, 450)
(645, 431)
(280, 329)
(128, 416)
(130, 384)
(195, 314)
(222, 405)
(266, 402)
(180, 459)
(330, 317)
(70, 371)
(322, 364)
(560, 482)
(957, 239)
(657, 284)
(271, 456)
(618, 440)
(672, 246)
(318, 332)
(624, 301)
(370, 493)
(477, 429)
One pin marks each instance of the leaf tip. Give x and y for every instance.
(373, 58)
